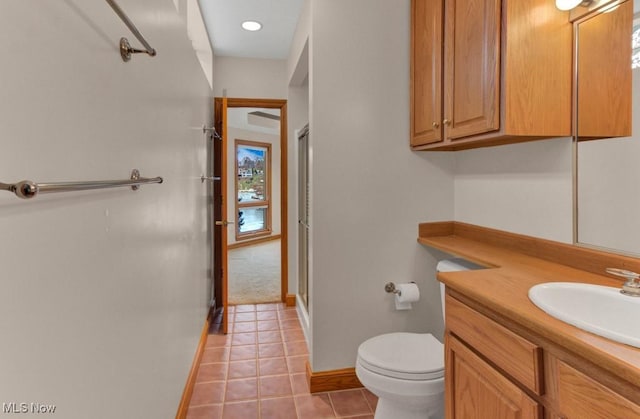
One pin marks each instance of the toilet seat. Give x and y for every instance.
(407, 356)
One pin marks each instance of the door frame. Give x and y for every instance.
(280, 104)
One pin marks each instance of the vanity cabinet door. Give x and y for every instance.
(580, 396)
(513, 354)
(475, 390)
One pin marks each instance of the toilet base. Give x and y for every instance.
(387, 409)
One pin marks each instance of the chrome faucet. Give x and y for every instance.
(631, 286)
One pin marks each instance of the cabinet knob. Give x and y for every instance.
(446, 122)
(435, 125)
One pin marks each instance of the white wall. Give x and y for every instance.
(274, 140)
(298, 112)
(298, 116)
(104, 293)
(249, 78)
(369, 190)
(299, 43)
(523, 188)
(199, 37)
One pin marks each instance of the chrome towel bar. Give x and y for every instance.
(125, 48)
(28, 189)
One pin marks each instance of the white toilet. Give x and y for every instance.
(406, 370)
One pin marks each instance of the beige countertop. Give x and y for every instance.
(515, 263)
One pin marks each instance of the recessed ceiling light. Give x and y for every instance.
(251, 25)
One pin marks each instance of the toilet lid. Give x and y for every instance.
(410, 356)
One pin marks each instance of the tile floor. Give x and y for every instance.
(258, 371)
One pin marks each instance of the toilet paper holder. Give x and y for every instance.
(390, 287)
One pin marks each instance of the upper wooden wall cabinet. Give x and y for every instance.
(603, 66)
(489, 72)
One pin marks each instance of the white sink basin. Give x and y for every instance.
(594, 308)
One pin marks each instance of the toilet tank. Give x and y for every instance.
(454, 265)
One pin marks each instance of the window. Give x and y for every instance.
(253, 189)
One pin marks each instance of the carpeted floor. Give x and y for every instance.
(254, 274)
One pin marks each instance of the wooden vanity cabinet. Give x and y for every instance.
(494, 372)
(579, 396)
(487, 368)
(487, 72)
(476, 390)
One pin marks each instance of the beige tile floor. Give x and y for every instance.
(258, 371)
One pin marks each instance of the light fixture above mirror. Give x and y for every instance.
(572, 4)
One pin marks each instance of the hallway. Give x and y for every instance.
(254, 273)
(258, 371)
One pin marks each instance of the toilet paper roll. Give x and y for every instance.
(409, 293)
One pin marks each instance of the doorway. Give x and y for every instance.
(250, 202)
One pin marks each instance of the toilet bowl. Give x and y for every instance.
(406, 370)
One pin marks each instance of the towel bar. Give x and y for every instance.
(27, 189)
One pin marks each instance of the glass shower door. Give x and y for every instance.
(303, 216)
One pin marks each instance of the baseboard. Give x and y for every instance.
(246, 243)
(343, 379)
(193, 374)
(290, 300)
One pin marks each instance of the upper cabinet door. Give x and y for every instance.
(426, 71)
(604, 74)
(472, 67)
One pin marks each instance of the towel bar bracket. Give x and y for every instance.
(135, 175)
(214, 133)
(125, 47)
(126, 50)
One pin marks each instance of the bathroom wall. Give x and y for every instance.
(369, 190)
(299, 43)
(298, 115)
(522, 188)
(104, 293)
(249, 78)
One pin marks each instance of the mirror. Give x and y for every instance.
(607, 171)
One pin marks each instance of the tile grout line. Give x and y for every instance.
(258, 373)
(373, 411)
(333, 407)
(226, 378)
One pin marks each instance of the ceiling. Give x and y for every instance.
(278, 18)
